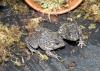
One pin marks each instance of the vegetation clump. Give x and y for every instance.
(8, 36)
(50, 5)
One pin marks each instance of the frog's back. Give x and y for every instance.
(50, 40)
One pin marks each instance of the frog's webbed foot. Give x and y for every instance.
(81, 43)
(49, 53)
(42, 56)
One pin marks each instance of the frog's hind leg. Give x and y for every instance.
(32, 48)
(49, 53)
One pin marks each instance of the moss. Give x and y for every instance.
(50, 5)
(8, 36)
(17, 6)
(92, 9)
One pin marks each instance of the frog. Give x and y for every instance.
(47, 40)
(71, 30)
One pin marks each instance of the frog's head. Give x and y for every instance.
(69, 31)
(73, 32)
(73, 36)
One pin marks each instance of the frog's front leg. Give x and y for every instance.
(81, 42)
(49, 53)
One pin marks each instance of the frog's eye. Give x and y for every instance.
(69, 34)
(57, 43)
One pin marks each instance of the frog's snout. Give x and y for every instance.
(74, 37)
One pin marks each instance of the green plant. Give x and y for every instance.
(50, 5)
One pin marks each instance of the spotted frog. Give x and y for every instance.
(45, 39)
(70, 30)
